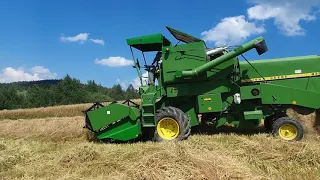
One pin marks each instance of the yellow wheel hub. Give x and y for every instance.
(168, 128)
(288, 132)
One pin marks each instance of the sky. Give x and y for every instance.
(87, 39)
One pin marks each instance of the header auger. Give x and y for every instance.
(186, 80)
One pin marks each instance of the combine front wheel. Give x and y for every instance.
(288, 129)
(171, 125)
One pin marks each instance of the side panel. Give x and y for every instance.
(189, 109)
(275, 94)
(314, 84)
(250, 92)
(197, 88)
(253, 115)
(187, 105)
(209, 103)
(297, 72)
(123, 131)
(280, 66)
(182, 57)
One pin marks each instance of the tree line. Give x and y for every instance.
(60, 92)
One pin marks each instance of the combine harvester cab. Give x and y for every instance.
(194, 81)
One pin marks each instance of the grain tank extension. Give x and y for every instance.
(190, 84)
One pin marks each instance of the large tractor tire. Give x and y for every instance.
(288, 129)
(172, 124)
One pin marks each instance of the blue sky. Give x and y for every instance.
(49, 39)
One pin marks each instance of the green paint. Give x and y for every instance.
(123, 131)
(107, 115)
(221, 121)
(148, 109)
(182, 36)
(152, 42)
(181, 57)
(250, 92)
(197, 82)
(226, 57)
(256, 115)
(209, 103)
(275, 94)
(189, 109)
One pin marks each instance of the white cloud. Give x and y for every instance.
(232, 31)
(36, 73)
(287, 14)
(39, 69)
(42, 72)
(135, 82)
(98, 41)
(82, 37)
(114, 61)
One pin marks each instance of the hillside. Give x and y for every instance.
(24, 85)
(66, 91)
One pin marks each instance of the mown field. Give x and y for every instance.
(53, 145)
(54, 111)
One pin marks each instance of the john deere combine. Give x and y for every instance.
(190, 84)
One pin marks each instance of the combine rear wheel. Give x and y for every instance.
(171, 125)
(288, 129)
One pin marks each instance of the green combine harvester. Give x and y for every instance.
(191, 85)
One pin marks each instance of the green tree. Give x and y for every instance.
(70, 91)
(116, 93)
(92, 86)
(97, 97)
(40, 97)
(131, 93)
(58, 92)
(9, 99)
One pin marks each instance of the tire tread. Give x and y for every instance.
(288, 120)
(179, 116)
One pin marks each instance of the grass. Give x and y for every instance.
(50, 143)
(43, 112)
(57, 148)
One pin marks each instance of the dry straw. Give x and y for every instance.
(57, 148)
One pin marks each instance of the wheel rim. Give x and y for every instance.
(288, 132)
(168, 128)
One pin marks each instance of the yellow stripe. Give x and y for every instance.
(207, 99)
(271, 78)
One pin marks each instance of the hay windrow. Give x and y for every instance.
(52, 111)
(52, 129)
(58, 148)
(310, 122)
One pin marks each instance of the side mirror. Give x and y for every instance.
(261, 47)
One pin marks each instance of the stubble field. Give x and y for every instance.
(55, 146)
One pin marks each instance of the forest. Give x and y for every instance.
(68, 90)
